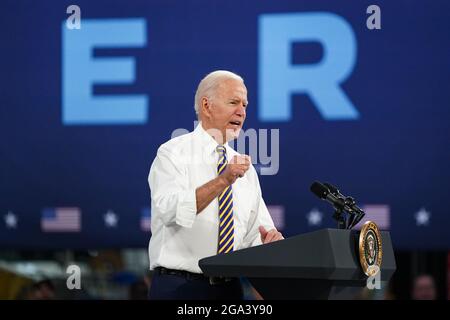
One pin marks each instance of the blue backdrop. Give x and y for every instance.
(83, 111)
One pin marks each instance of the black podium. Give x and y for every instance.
(318, 265)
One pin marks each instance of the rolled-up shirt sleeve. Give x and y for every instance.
(172, 200)
(260, 217)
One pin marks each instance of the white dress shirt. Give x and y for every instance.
(180, 237)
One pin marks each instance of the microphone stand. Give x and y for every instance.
(339, 217)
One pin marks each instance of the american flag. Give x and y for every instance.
(277, 214)
(146, 219)
(378, 213)
(61, 220)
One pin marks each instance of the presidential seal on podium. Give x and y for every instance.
(370, 248)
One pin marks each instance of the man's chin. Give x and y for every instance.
(232, 134)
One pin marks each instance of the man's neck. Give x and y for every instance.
(215, 133)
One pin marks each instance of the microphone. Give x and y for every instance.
(356, 213)
(330, 193)
(324, 193)
(332, 189)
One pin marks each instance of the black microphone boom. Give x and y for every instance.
(356, 213)
(324, 193)
(331, 194)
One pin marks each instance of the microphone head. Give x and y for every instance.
(319, 190)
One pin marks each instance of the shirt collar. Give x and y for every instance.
(208, 142)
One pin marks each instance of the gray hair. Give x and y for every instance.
(209, 84)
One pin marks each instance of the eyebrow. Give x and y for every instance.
(238, 99)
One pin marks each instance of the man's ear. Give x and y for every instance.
(206, 107)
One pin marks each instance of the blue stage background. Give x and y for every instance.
(394, 153)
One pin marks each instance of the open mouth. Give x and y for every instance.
(235, 123)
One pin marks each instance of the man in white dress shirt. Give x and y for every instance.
(205, 197)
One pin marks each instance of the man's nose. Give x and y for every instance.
(240, 110)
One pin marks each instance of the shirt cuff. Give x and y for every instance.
(186, 209)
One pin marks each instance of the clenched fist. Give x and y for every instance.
(236, 168)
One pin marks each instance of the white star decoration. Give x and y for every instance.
(422, 217)
(314, 217)
(10, 220)
(111, 219)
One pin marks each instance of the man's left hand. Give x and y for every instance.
(269, 236)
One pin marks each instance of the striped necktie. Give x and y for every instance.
(226, 223)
